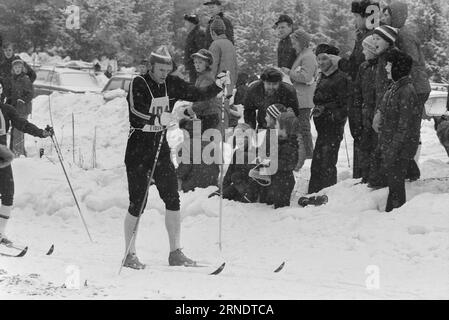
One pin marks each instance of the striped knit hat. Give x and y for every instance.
(387, 33)
(273, 111)
(161, 55)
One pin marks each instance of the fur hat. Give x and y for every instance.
(218, 26)
(326, 48)
(271, 75)
(360, 6)
(192, 18)
(302, 37)
(401, 63)
(284, 18)
(18, 61)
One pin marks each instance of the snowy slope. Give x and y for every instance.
(329, 250)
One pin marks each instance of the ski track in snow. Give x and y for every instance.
(327, 249)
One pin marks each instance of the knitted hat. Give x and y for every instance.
(271, 75)
(218, 26)
(401, 63)
(274, 111)
(192, 18)
(369, 44)
(17, 61)
(387, 33)
(205, 55)
(161, 55)
(302, 37)
(360, 7)
(326, 48)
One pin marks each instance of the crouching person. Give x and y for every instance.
(400, 127)
(279, 191)
(236, 183)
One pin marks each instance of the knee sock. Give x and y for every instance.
(130, 223)
(173, 225)
(5, 212)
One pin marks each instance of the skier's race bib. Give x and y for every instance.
(2, 124)
(159, 105)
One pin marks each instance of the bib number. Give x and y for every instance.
(159, 105)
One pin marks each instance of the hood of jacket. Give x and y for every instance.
(334, 59)
(399, 13)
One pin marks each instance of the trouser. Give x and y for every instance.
(304, 123)
(138, 168)
(367, 149)
(6, 186)
(323, 172)
(357, 160)
(17, 142)
(396, 184)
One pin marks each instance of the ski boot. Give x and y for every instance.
(131, 261)
(177, 258)
(315, 200)
(5, 241)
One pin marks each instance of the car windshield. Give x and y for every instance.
(78, 80)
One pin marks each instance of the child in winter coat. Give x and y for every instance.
(21, 97)
(400, 126)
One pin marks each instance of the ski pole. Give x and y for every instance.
(142, 206)
(55, 142)
(58, 151)
(347, 153)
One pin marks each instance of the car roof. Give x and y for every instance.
(124, 75)
(61, 69)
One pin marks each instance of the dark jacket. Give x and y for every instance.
(381, 79)
(362, 109)
(352, 64)
(197, 175)
(10, 116)
(237, 172)
(286, 53)
(401, 122)
(257, 100)
(206, 107)
(409, 42)
(332, 92)
(139, 101)
(194, 42)
(229, 29)
(21, 88)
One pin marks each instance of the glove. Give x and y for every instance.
(167, 119)
(223, 79)
(317, 111)
(6, 156)
(47, 132)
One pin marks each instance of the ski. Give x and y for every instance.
(278, 269)
(215, 271)
(23, 251)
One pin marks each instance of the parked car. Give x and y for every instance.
(119, 84)
(51, 79)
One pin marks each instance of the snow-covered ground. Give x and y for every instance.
(349, 248)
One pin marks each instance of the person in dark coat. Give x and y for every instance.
(108, 72)
(21, 97)
(442, 129)
(267, 91)
(400, 127)
(331, 100)
(363, 107)
(286, 54)
(216, 11)
(351, 67)
(196, 40)
(10, 116)
(190, 174)
(149, 100)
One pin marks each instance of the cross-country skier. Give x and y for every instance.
(149, 98)
(10, 116)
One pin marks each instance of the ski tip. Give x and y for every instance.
(23, 252)
(50, 251)
(280, 267)
(219, 270)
